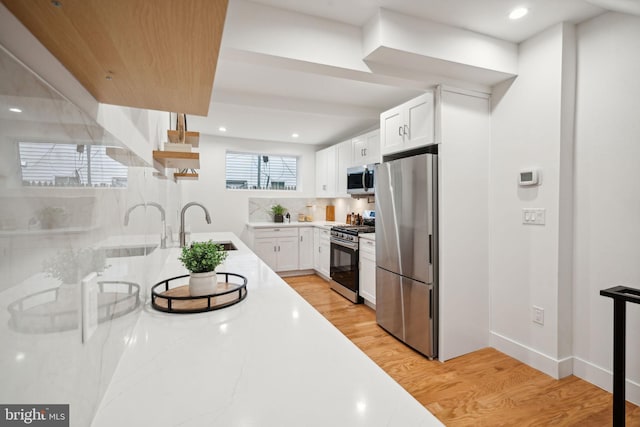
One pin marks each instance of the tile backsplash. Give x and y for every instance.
(260, 208)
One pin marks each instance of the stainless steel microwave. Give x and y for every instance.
(360, 180)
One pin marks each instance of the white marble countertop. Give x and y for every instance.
(322, 224)
(271, 360)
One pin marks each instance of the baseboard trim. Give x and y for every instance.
(603, 378)
(293, 273)
(556, 368)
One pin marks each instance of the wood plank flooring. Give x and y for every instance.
(484, 388)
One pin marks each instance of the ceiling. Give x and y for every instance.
(266, 99)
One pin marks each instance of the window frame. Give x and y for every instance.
(297, 158)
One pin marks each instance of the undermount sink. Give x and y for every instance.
(128, 251)
(227, 246)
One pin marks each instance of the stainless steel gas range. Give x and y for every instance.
(344, 271)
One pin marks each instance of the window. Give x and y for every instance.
(248, 171)
(69, 165)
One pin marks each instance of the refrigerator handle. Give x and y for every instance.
(430, 303)
(430, 249)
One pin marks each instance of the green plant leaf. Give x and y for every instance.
(201, 257)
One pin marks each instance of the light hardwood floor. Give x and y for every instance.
(484, 388)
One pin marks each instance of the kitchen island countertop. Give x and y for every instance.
(271, 360)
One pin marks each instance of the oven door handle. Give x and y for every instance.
(348, 245)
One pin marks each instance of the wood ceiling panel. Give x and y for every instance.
(160, 54)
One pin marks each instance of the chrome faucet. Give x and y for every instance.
(183, 237)
(163, 233)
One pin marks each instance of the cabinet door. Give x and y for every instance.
(326, 172)
(372, 147)
(419, 121)
(391, 130)
(358, 150)
(305, 249)
(266, 250)
(321, 173)
(322, 254)
(345, 159)
(325, 258)
(316, 249)
(287, 253)
(368, 270)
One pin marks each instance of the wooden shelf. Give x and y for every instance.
(176, 42)
(186, 176)
(177, 159)
(192, 138)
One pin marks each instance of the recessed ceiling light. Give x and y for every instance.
(15, 110)
(518, 12)
(294, 135)
(222, 129)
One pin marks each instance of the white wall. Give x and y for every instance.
(607, 193)
(525, 260)
(230, 208)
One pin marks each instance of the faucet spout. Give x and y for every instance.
(163, 233)
(207, 217)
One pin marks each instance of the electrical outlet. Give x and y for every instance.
(89, 311)
(538, 315)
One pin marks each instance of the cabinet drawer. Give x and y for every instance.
(276, 232)
(368, 247)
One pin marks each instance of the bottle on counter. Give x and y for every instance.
(288, 217)
(353, 218)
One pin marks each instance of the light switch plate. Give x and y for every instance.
(535, 216)
(89, 290)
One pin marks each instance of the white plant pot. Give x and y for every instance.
(203, 283)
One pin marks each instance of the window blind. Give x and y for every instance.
(250, 171)
(69, 165)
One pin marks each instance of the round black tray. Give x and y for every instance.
(176, 299)
(49, 311)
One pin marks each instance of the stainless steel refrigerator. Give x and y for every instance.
(406, 250)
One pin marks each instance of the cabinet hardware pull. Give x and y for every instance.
(276, 229)
(406, 130)
(400, 131)
(301, 238)
(274, 249)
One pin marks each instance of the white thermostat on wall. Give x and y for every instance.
(528, 177)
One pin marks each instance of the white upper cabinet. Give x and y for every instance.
(366, 148)
(344, 161)
(326, 172)
(408, 126)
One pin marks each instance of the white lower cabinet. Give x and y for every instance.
(322, 251)
(368, 270)
(278, 247)
(305, 248)
(294, 248)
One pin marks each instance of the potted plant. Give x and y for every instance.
(52, 217)
(71, 265)
(201, 259)
(278, 212)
